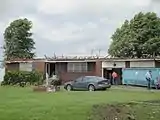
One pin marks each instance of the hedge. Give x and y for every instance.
(18, 77)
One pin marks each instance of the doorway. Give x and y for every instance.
(119, 72)
(50, 68)
(107, 73)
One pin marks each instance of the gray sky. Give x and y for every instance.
(72, 27)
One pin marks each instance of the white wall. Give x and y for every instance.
(2, 73)
(119, 64)
(142, 64)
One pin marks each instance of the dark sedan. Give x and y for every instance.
(90, 83)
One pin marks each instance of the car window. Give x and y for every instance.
(89, 79)
(93, 79)
(86, 79)
(78, 79)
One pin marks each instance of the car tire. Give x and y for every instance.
(69, 88)
(104, 89)
(91, 88)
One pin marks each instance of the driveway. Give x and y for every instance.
(121, 87)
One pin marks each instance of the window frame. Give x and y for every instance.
(77, 67)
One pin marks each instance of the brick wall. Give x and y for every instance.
(12, 66)
(39, 66)
(98, 70)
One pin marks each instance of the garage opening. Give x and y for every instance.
(107, 73)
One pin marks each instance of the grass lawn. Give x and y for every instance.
(24, 104)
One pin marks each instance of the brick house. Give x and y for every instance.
(67, 69)
(72, 68)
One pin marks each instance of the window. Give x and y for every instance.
(77, 67)
(79, 79)
(25, 67)
(93, 79)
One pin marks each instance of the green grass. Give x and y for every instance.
(24, 104)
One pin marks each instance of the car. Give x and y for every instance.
(90, 83)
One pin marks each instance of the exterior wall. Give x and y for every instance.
(61, 69)
(98, 68)
(94, 68)
(142, 64)
(39, 66)
(2, 72)
(12, 66)
(110, 64)
(157, 64)
(26, 66)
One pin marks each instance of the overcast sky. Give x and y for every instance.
(72, 27)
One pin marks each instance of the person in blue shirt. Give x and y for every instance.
(148, 77)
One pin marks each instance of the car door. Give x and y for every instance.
(85, 82)
(77, 85)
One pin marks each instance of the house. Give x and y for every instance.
(70, 68)
(66, 68)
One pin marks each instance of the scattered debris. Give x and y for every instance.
(131, 111)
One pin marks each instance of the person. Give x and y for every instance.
(148, 76)
(157, 84)
(114, 78)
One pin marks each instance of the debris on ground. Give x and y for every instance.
(148, 110)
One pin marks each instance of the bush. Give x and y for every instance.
(56, 82)
(21, 77)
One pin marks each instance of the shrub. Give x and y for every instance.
(19, 77)
(56, 82)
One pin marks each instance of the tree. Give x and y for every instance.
(17, 40)
(137, 38)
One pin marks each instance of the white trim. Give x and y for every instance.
(48, 61)
(19, 61)
(102, 72)
(110, 64)
(85, 60)
(124, 60)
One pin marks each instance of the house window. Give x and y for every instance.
(77, 67)
(25, 67)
